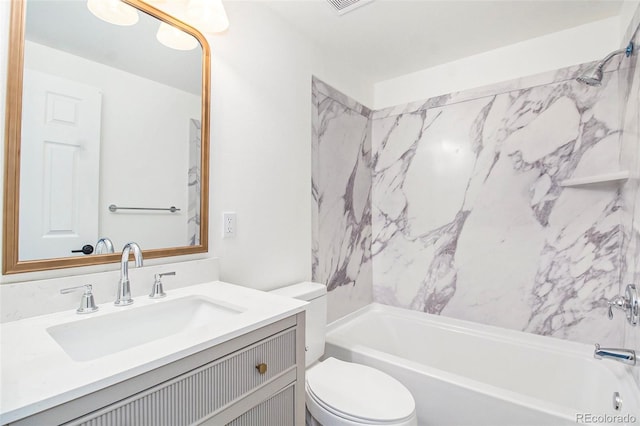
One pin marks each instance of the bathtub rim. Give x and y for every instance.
(494, 332)
(628, 387)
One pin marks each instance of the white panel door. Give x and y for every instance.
(59, 166)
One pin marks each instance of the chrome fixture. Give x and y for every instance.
(87, 304)
(593, 76)
(627, 303)
(157, 292)
(625, 356)
(104, 245)
(123, 298)
(617, 401)
(113, 208)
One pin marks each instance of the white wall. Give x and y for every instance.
(261, 144)
(569, 47)
(627, 12)
(4, 51)
(5, 7)
(143, 157)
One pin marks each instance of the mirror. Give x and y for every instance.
(107, 132)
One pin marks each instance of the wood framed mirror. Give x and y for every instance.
(106, 136)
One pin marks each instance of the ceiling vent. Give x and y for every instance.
(344, 6)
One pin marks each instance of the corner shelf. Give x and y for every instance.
(620, 177)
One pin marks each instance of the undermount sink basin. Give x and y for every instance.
(91, 338)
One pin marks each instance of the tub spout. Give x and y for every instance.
(625, 356)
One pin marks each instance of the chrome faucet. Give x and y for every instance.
(123, 298)
(625, 356)
(104, 245)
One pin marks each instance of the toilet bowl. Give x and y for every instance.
(340, 393)
(344, 393)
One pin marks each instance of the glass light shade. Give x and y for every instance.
(113, 11)
(207, 15)
(174, 38)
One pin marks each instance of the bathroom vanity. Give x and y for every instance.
(211, 353)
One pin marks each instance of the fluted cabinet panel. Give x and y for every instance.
(193, 396)
(276, 411)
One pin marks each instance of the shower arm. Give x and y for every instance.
(609, 57)
(627, 51)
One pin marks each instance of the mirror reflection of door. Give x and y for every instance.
(146, 129)
(60, 159)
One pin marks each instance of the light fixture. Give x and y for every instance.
(207, 15)
(113, 11)
(175, 38)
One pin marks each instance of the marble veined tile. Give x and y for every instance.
(321, 87)
(630, 117)
(470, 219)
(454, 205)
(541, 79)
(194, 183)
(341, 189)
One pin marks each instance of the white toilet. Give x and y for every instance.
(343, 393)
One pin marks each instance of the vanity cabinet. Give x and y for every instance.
(254, 379)
(277, 410)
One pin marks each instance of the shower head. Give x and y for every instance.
(593, 76)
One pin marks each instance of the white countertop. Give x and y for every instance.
(37, 374)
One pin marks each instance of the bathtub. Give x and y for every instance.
(463, 373)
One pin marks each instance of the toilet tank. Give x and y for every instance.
(315, 312)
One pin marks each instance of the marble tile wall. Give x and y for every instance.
(193, 213)
(630, 116)
(468, 215)
(470, 219)
(465, 214)
(341, 189)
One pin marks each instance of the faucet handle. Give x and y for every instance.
(87, 303)
(157, 291)
(628, 303)
(164, 274)
(617, 302)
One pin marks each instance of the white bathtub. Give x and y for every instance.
(463, 373)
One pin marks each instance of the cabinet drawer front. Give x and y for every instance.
(203, 391)
(279, 410)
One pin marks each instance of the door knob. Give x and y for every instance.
(86, 249)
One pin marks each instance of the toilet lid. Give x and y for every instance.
(360, 392)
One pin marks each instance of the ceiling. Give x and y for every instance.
(381, 40)
(389, 38)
